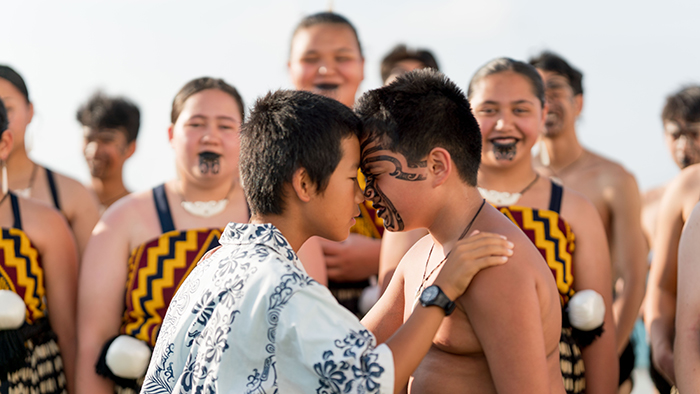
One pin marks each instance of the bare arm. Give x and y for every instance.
(352, 260)
(687, 343)
(394, 247)
(411, 341)
(592, 271)
(101, 297)
(628, 252)
(660, 304)
(311, 256)
(516, 351)
(60, 261)
(387, 315)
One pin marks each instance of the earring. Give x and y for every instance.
(5, 188)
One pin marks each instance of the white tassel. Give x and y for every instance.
(586, 310)
(12, 310)
(128, 357)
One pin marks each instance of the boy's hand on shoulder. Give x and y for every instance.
(469, 256)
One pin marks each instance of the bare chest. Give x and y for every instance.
(455, 335)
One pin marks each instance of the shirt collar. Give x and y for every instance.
(260, 234)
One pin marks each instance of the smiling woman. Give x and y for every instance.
(147, 243)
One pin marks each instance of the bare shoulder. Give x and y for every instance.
(78, 194)
(525, 254)
(130, 209)
(685, 189)
(653, 195)
(41, 221)
(611, 173)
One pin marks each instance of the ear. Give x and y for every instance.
(31, 113)
(440, 166)
(303, 187)
(131, 148)
(578, 102)
(5, 144)
(170, 133)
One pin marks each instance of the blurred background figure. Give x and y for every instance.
(30, 179)
(110, 127)
(402, 59)
(146, 244)
(661, 301)
(38, 275)
(609, 186)
(681, 120)
(326, 58)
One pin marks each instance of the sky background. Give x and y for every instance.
(632, 54)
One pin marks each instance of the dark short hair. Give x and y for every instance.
(506, 64)
(550, 61)
(4, 123)
(102, 111)
(197, 85)
(401, 53)
(683, 105)
(330, 18)
(288, 130)
(12, 76)
(420, 111)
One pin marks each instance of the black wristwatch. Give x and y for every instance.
(433, 295)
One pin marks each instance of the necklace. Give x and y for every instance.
(425, 269)
(205, 209)
(27, 191)
(504, 198)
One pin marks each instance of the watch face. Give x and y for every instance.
(429, 294)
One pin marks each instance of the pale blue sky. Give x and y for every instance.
(632, 55)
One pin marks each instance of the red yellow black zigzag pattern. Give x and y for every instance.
(554, 239)
(21, 271)
(156, 270)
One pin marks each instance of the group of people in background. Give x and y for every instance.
(88, 272)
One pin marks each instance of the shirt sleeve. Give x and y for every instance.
(323, 346)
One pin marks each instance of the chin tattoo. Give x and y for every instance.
(504, 151)
(209, 162)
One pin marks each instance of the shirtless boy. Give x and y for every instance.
(421, 149)
(261, 324)
(606, 184)
(681, 120)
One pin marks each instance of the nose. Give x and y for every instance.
(326, 67)
(211, 135)
(504, 122)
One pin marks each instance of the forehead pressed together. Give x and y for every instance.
(288, 130)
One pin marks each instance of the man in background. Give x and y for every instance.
(110, 127)
(606, 184)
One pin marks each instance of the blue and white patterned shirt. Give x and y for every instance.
(249, 319)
